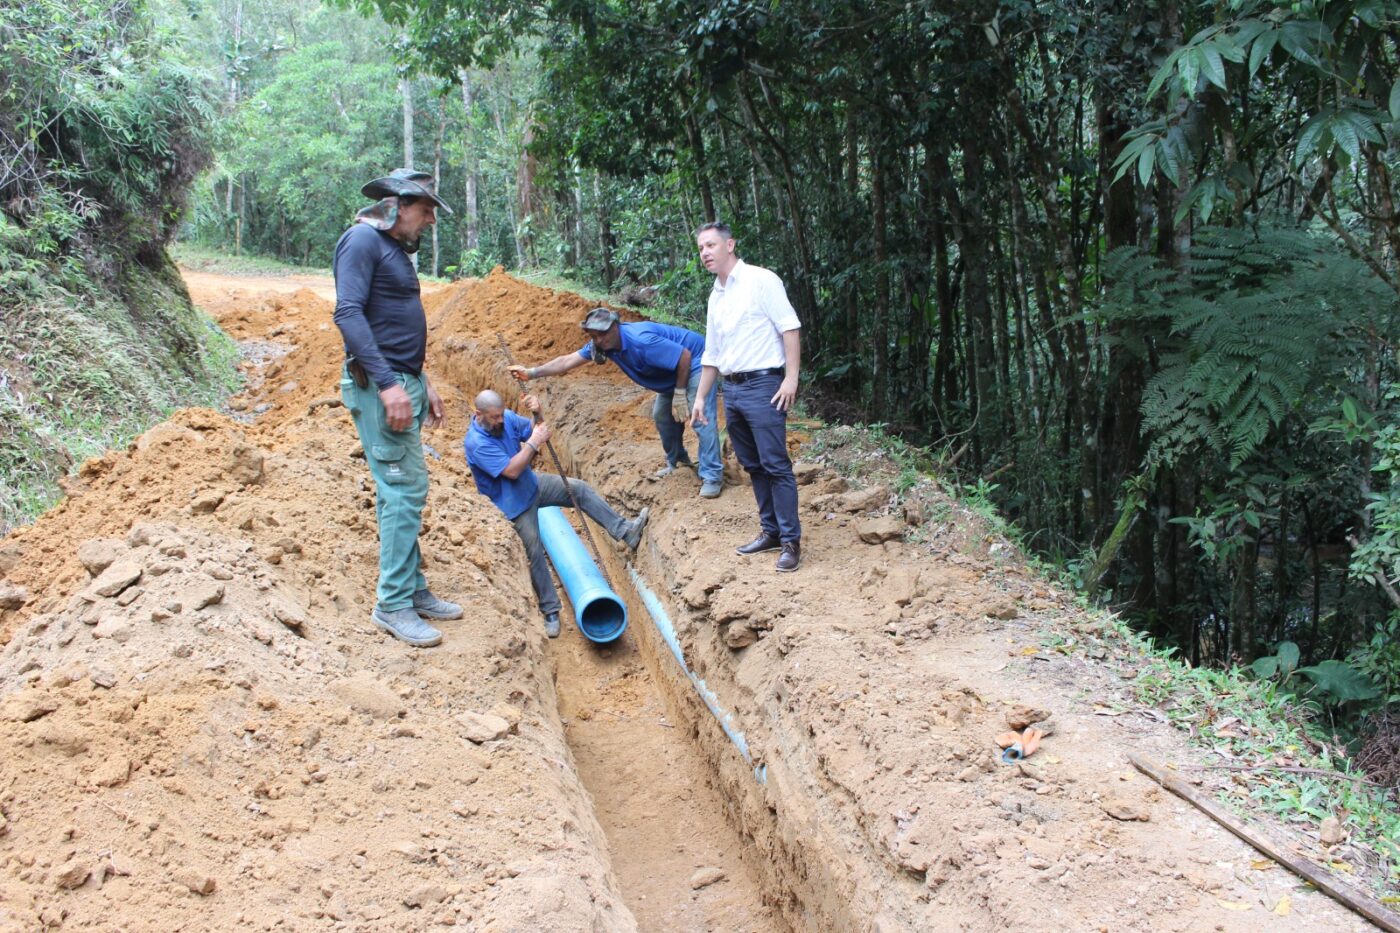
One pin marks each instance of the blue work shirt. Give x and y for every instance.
(650, 353)
(488, 456)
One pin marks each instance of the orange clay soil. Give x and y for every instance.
(203, 731)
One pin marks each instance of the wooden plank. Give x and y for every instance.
(1371, 909)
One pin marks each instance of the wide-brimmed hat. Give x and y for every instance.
(405, 182)
(599, 319)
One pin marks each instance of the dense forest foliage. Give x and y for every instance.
(1128, 269)
(102, 132)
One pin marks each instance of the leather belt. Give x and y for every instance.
(754, 374)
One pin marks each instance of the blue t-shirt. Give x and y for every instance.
(488, 456)
(650, 353)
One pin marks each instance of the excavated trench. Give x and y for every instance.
(667, 737)
(679, 861)
(687, 809)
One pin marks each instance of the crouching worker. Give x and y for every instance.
(500, 446)
(664, 359)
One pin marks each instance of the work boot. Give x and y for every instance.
(764, 542)
(710, 489)
(407, 626)
(426, 604)
(551, 624)
(633, 535)
(791, 558)
(670, 468)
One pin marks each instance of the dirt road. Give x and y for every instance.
(202, 731)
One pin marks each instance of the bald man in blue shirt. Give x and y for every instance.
(660, 357)
(500, 446)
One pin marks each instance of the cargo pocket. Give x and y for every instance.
(390, 460)
(350, 397)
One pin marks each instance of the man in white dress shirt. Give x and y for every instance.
(751, 342)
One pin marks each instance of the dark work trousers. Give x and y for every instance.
(759, 434)
(527, 525)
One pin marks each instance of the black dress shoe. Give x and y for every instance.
(764, 542)
(791, 558)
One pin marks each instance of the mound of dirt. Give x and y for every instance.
(536, 323)
(204, 731)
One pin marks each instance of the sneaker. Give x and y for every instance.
(407, 626)
(633, 535)
(710, 489)
(426, 604)
(791, 558)
(764, 542)
(551, 624)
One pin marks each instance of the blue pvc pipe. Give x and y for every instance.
(600, 614)
(726, 719)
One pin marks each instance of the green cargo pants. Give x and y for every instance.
(400, 482)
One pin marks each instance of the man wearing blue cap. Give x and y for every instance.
(380, 315)
(665, 359)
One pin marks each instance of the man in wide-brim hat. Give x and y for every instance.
(379, 311)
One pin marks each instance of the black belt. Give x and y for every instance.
(754, 374)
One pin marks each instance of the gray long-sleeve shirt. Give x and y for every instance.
(378, 305)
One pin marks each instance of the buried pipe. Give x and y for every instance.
(600, 614)
(662, 620)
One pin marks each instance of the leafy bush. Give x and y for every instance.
(101, 127)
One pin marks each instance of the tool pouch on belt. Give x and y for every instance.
(357, 372)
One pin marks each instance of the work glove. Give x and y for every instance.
(680, 407)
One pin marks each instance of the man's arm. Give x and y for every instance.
(555, 367)
(529, 446)
(708, 375)
(779, 310)
(792, 363)
(683, 371)
(354, 264)
(680, 408)
(353, 267)
(436, 410)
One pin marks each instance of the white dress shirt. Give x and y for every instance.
(746, 320)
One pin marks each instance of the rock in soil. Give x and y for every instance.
(483, 727)
(116, 578)
(1126, 810)
(705, 877)
(12, 597)
(198, 882)
(1022, 716)
(881, 529)
(28, 706)
(72, 875)
(98, 554)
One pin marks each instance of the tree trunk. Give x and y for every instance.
(406, 92)
(882, 384)
(702, 171)
(605, 233)
(437, 172)
(471, 222)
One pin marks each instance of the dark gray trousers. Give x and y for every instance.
(527, 525)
